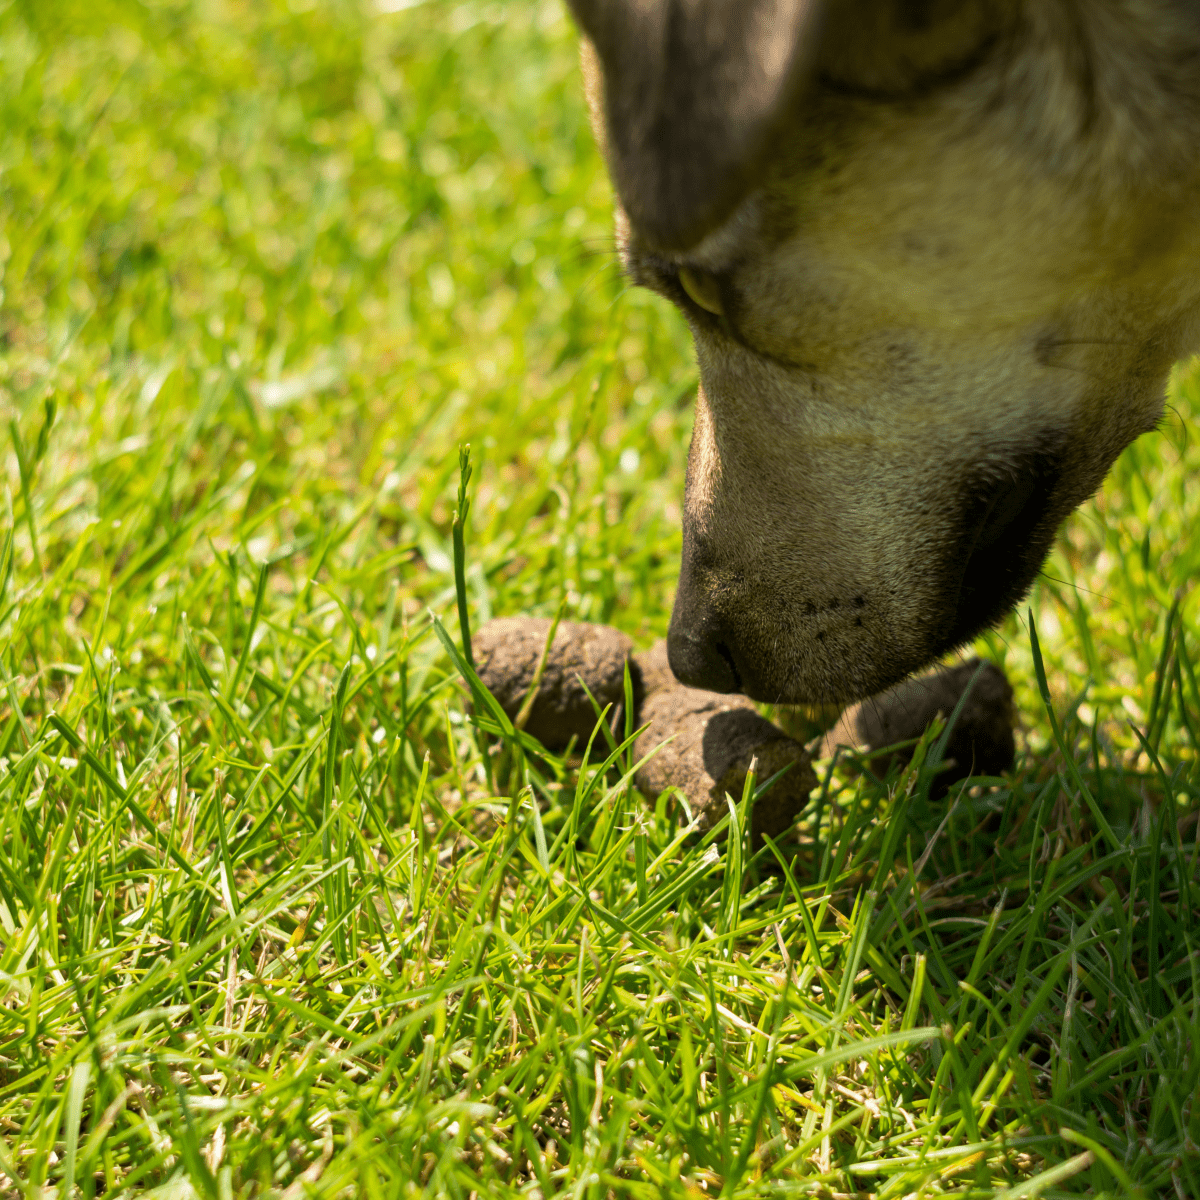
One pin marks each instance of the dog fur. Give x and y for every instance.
(938, 258)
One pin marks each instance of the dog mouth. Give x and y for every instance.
(1006, 521)
(1007, 528)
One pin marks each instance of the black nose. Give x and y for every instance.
(701, 663)
(697, 649)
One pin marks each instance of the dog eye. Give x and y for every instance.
(702, 288)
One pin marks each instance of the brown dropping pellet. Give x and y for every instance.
(715, 739)
(653, 669)
(506, 653)
(981, 742)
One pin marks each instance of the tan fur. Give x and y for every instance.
(921, 290)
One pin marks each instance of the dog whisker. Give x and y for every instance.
(1053, 342)
(1178, 423)
(1093, 375)
(1076, 587)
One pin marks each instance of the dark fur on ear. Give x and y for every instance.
(694, 92)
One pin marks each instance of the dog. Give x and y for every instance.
(938, 258)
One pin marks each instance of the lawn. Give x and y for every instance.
(278, 915)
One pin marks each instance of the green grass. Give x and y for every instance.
(270, 922)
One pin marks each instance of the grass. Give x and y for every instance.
(274, 918)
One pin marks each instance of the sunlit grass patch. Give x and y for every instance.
(275, 916)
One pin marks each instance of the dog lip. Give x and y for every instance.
(1006, 536)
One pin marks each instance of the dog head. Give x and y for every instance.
(938, 257)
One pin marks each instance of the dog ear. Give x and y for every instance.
(694, 91)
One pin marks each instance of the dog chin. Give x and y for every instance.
(817, 678)
(809, 674)
(775, 665)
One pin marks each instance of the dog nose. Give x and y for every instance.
(698, 653)
(700, 663)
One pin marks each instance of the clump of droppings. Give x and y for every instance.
(711, 742)
(981, 742)
(581, 658)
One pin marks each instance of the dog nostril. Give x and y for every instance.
(699, 663)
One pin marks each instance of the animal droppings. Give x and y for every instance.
(711, 739)
(981, 742)
(507, 651)
(714, 739)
